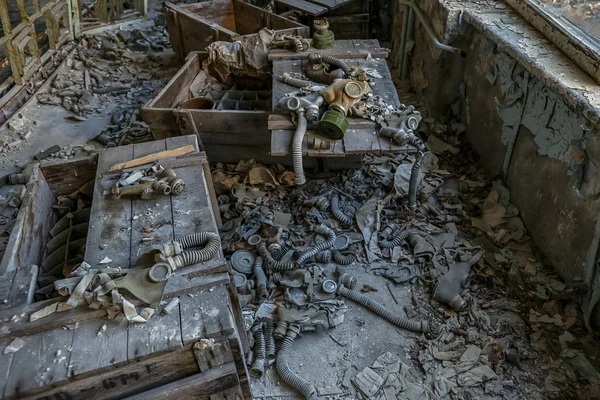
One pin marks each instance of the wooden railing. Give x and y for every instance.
(27, 41)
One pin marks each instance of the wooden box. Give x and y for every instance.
(193, 27)
(227, 135)
(27, 243)
(195, 351)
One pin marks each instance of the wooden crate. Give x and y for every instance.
(348, 19)
(49, 180)
(227, 135)
(65, 357)
(193, 27)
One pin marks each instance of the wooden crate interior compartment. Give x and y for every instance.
(36, 217)
(228, 135)
(193, 27)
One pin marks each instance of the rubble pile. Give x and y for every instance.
(114, 73)
(494, 321)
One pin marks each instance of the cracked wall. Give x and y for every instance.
(524, 131)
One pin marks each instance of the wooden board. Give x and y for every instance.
(35, 218)
(161, 333)
(307, 7)
(341, 49)
(81, 171)
(109, 234)
(43, 360)
(197, 386)
(91, 336)
(281, 144)
(133, 378)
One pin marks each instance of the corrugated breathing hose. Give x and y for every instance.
(414, 173)
(295, 82)
(398, 240)
(260, 356)
(308, 390)
(261, 279)
(329, 235)
(270, 339)
(315, 58)
(337, 213)
(278, 251)
(382, 311)
(402, 137)
(299, 179)
(211, 242)
(341, 259)
(324, 257)
(272, 263)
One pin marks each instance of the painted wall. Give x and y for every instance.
(524, 132)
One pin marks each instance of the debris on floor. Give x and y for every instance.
(467, 274)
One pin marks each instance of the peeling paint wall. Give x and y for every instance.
(524, 130)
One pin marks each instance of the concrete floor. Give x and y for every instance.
(330, 359)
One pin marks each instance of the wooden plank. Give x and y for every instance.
(213, 357)
(217, 317)
(211, 190)
(128, 380)
(331, 4)
(195, 26)
(109, 233)
(65, 177)
(280, 121)
(283, 25)
(109, 336)
(345, 49)
(218, 11)
(42, 361)
(180, 151)
(247, 123)
(304, 6)
(361, 141)
(160, 333)
(31, 228)
(248, 18)
(281, 144)
(173, 91)
(153, 214)
(192, 328)
(196, 386)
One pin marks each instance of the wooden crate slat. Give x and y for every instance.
(192, 327)
(128, 380)
(109, 234)
(161, 332)
(93, 351)
(216, 312)
(304, 6)
(345, 49)
(208, 383)
(43, 360)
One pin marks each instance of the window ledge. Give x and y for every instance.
(540, 57)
